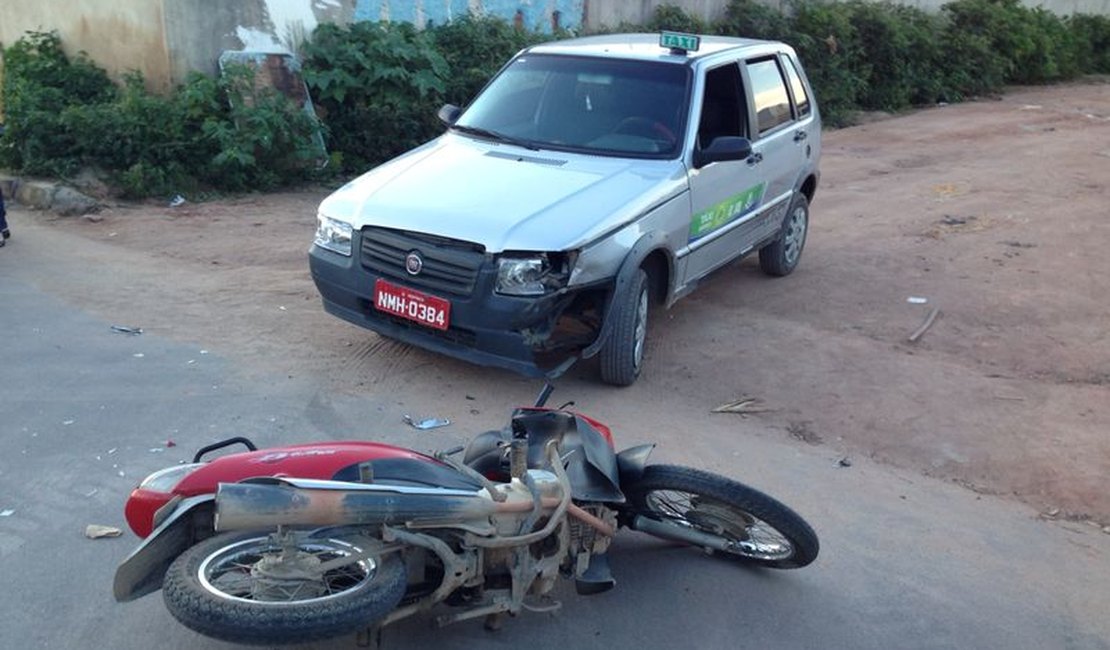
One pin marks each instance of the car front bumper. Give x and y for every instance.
(521, 334)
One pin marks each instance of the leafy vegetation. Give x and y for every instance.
(63, 115)
(376, 86)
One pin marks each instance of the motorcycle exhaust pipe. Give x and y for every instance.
(679, 533)
(269, 503)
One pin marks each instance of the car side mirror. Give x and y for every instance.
(448, 114)
(725, 147)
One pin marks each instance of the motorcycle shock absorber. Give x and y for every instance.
(518, 451)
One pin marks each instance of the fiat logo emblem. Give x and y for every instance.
(414, 263)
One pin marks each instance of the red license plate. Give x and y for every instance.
(412, 305)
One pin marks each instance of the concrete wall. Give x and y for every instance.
(536, 14)
(119, 35)
(610, 13)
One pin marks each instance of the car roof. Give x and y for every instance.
(644, 47)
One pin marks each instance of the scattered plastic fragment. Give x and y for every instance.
(113, 450)
(157, 450)
(917, 300)
(138, 355)
(845, 462)
(428, 423)
(177, 200)
(68, 422)
(124, 329)
(171, 443)
(91, 492)
(7, 513)
(97, 531)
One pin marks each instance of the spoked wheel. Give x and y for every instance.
(265, 589)
(743, 523)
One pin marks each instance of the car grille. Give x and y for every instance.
(450, 265)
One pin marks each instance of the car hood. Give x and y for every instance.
(505, 197)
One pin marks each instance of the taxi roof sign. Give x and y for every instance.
(679, 43)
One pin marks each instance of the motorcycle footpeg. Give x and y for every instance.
(598, 578)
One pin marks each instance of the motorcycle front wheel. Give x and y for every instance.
(748, 525)
(251, 588)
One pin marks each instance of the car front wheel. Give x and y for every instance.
(622, 357)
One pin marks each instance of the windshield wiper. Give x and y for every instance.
(494, 135)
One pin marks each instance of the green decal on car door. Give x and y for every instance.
(725, 212)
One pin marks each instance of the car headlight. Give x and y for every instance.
(333, 234)
(533, 275)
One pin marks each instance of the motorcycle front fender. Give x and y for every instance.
(142, 571)
(632, 461)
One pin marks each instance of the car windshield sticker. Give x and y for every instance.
(726, 211)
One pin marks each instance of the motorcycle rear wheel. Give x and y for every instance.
(757, 528)
(228, 587)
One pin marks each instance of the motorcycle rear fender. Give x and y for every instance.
(142, 571)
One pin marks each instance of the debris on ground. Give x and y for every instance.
(845, 462)
(802, 431)
(744, 406)
(124, 329)
(7, 513)
(425, 424)
(925, 325)
(917, 300)
(177, 200)
(97, 531)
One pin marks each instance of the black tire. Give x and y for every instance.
(622, 356)
(781, 256)
(194, 591)
(763, 531)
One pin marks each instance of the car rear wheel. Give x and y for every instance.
(782, 255)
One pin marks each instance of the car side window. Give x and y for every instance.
(772, 103)
(723, 111)
(802, 105)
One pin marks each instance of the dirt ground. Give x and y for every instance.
(994, 212)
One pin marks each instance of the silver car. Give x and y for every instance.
(590, 179)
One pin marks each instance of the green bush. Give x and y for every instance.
(753, 19)
(475, 48)
(1092, 42)
(673, 18)
(1034, 45)
(40, 84)
(378, 85)
(224, 134)
(833, 55)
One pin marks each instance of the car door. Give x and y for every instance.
(779, 144)
(725, 196)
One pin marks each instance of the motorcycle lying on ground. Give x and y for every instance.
(308, 542)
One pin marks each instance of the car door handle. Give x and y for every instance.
(800, 135)
(755, 158)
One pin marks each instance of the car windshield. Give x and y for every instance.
(593, 105)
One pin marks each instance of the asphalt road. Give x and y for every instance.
(906, 561)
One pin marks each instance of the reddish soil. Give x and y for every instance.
(995, 212)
